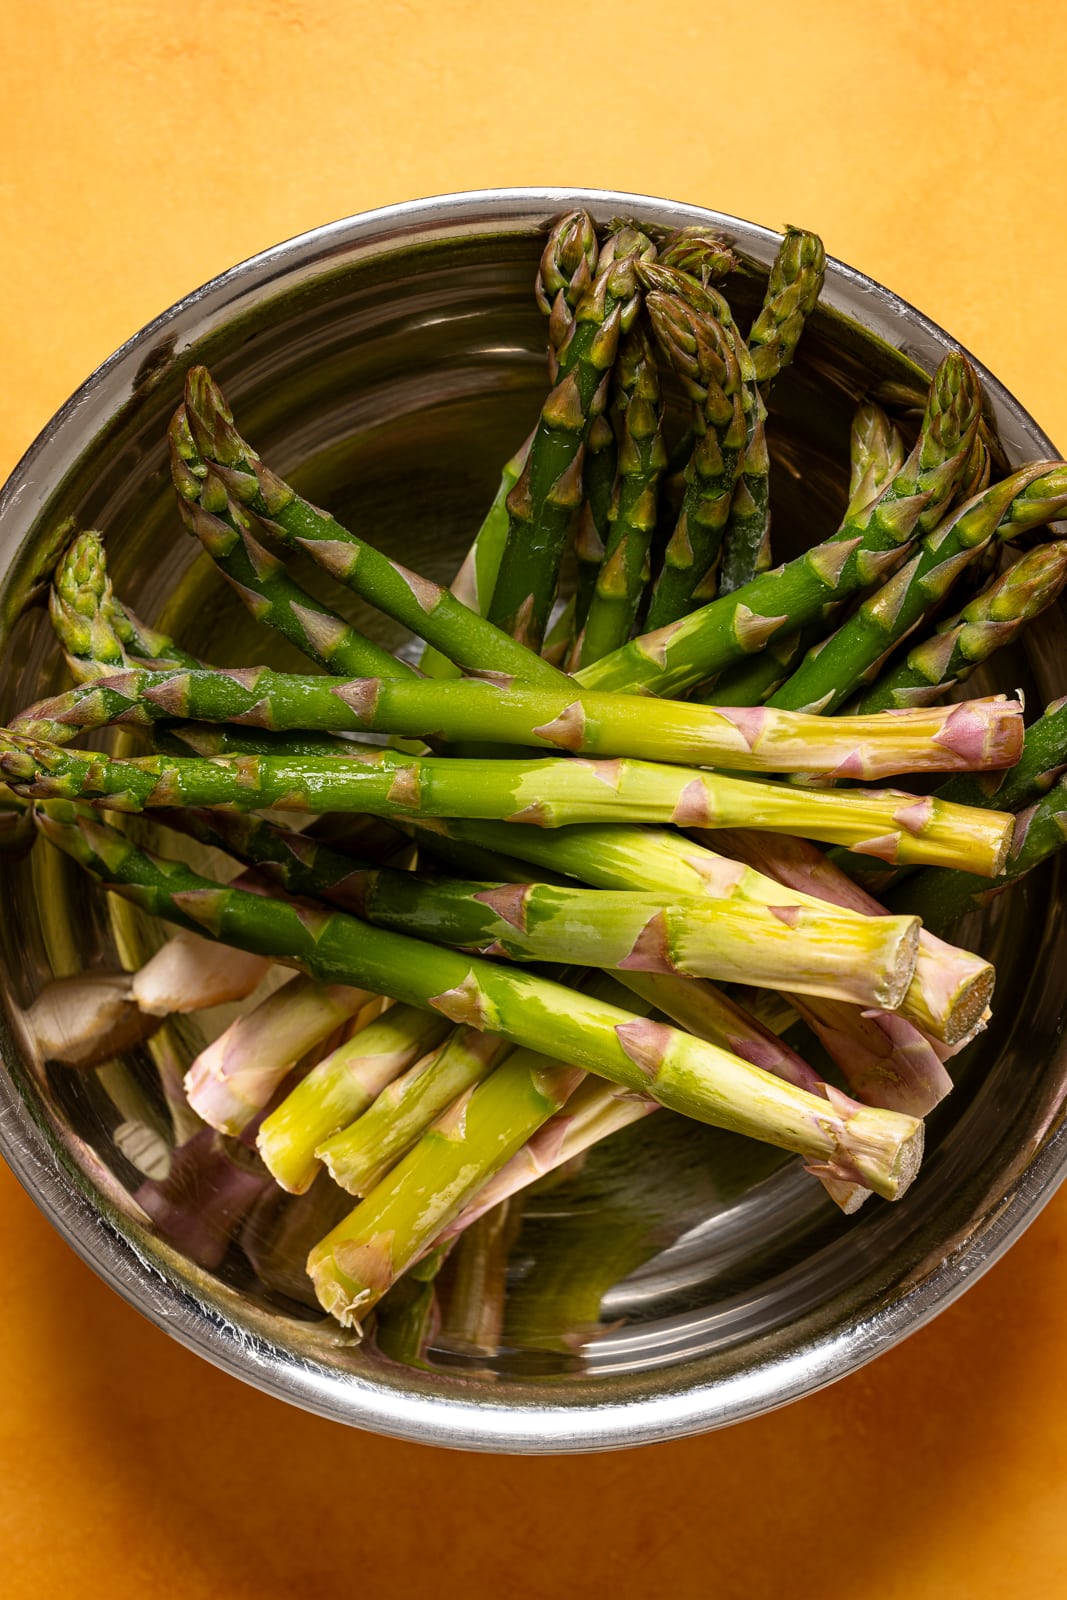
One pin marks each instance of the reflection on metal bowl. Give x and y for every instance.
(389, 364)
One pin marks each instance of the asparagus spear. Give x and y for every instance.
(830, 672)
(599, 465)
(642, 457)
(358, 1261)
(985, 733)
(695, 331)
(951, 988)
(869, 542)
(339, 1089)
(879, 1149)
(97, 632)
(222, 485)
(235, 1076)
(700, 252)
(262, 583)
(80, 606)
(876, 454)
(793, 287)
(541, 505)
(887, 823)
(987, 623)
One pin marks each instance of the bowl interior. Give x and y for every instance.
(682, 1276)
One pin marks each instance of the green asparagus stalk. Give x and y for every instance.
(695, 331)
(830, 673)
(987, 623)
(887, 823)
(599, 465)
(793, 287)
(642, 458)
(876, 455)
(869, 542)
(950, 989)
(358, 1261)
(339, 1089)
(941, 898)
(541, 505)
(986, 733)
(360, 1153)
(223, 487)
(235, 1076)
(879, 1149)
(262, 583)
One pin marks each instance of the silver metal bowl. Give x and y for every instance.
(391, 363)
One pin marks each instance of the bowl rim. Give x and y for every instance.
(455, 1420)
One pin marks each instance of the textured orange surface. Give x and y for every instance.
(148, 146)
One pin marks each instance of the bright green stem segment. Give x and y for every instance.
(889, 824)
(224, 488)
(941, 898)
(339, 1088)
(880, 1149)
(986, 733)
(355, 1264)
(642, 460)
(549, 492)
(358, 1157)
(831, 671)
(986, 624)
(590, 539)
(263, 584)
(869, 542)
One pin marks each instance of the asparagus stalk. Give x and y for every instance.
(236, 1075)
(887, 823)
(695, 331)
(541, 505)
(360, 1153)
(358, 1261)
(876, 454)
(599, 464)
(883, 1057)
(830, 672)
(222, 485)
(987, 623)
(80, 606)
(869, 542)
(950, 989)
(642, 458)
(700, 252)
(879, 1149)
(986, 733)
(793, 287)
(339, 1089)
(262, 583)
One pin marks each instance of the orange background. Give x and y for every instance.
(150, 145)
